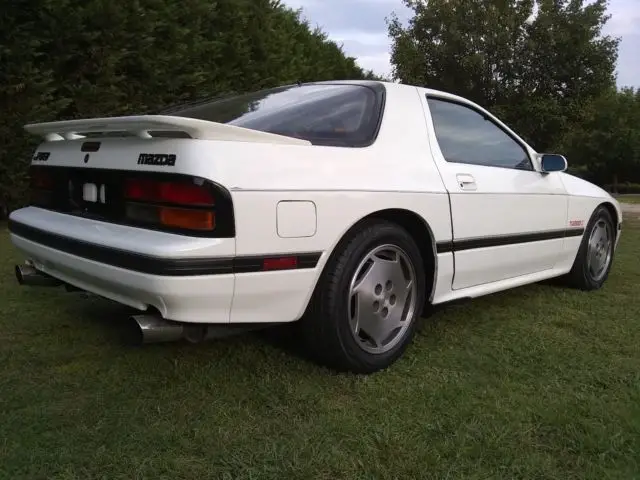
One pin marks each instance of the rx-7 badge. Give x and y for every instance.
(40, 156)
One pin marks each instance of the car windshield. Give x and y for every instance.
(345, 115)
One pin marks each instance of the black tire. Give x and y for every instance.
(325, 326)
(580, 276)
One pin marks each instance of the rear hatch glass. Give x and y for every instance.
(345, 115)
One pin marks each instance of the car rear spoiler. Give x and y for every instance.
(143, 126)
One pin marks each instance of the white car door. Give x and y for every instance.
(509, 218)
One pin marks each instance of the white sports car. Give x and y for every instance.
(348, 207)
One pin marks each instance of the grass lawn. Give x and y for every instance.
(538, 382)
(628, 198)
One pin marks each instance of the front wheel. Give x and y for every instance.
(364, 311)
(595, 255)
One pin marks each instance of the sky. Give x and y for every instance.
(361, 27)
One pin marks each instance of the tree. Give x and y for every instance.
(534, 68)
(465, 47)
(26, 88)
(606, 143)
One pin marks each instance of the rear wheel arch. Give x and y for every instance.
(415, 225)
(334, 329)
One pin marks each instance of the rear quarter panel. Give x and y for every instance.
(345, 184)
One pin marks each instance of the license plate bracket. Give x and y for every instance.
(95, 196)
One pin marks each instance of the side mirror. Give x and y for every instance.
(553, 163)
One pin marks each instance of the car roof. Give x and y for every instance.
(390, 85)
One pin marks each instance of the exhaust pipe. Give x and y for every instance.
(155, 329)
(28, 275)
(152, 328)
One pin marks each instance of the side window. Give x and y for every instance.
(466, 136)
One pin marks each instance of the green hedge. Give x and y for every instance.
(624, 188)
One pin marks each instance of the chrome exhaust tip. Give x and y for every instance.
(29, 276)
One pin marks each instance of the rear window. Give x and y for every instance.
(328, 114)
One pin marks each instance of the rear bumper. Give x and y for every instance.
(201, 298)
(186, 286)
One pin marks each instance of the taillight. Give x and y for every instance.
(168, 202)
(42, 187)
(41, 179)
(184, 218)
(182, 192)
(179, 204)
(172, 217)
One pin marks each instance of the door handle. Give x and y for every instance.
(466, 181)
